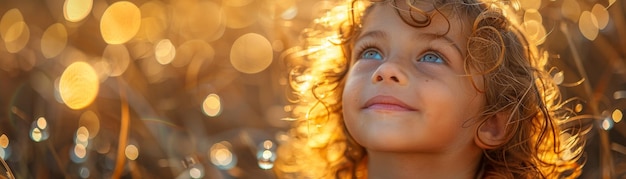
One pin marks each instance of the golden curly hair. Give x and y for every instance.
(543, 140)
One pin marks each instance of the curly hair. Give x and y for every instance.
(542, 140)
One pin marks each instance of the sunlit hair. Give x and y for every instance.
(544, 139)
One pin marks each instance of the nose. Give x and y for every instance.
(389, 72)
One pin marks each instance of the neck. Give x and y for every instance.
(411, 165)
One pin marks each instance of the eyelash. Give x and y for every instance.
(369, 45)
(365, 46)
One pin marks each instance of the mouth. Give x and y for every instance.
(388, 103)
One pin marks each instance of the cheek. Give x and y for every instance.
(351, 90)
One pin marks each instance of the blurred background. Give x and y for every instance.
(198, 88)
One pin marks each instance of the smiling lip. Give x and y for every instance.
(387, 103)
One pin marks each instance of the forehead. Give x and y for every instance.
(390, 15)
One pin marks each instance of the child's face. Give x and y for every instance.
(406, 91)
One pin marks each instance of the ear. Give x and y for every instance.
(491, 133)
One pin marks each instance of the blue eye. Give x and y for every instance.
(433, 58)
(371, 54)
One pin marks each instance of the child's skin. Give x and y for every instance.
(408, 102)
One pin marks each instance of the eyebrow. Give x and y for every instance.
(382, 34)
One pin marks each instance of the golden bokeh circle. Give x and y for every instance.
(11, 17)
(617, 115)
(79, 85)
(601, 14)
(53, 40)
(131, 152)
(588, 25)
(211, 106)
(117, 57)
(17, 37)
(90, 120)
(76, 10)
(164, 51)
(120, 22)
(4, 141)
(251, 53)
(571, 10)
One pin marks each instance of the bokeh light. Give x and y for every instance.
(53, 40)
(79, 85)
(221, 155)
(164, 51)
(120, 22)
(78, 153)
(36, 134)
(131, 152)
(588, 25)
(266, 155)
(82, 136)
(578, 108)
(197, 171)
(617, 115)
(14, 31)
(76, 10)
(571, 10)
(607, 124)
(4, 141)
(153, 21)
(530, 4)
(216, 72)
(91, 122)
(84, 172)
(42, 123)
(212, 105)
(601, 14)
(118, 57)
(251, 53)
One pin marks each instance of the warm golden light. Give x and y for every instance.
(237, 3)
(120, 22)
(16, 37)
(10, 18)
(36, 134)
(164, 51)
(221, 155)
(79, 85)
(535, 31)
(212, 105)
(4, 141)
(90, 121)
(153, 21)
(607, 124)
(195, 173)
(533, 14)
(42, 123)
(588, 25)
(571, 10)
(82, 135)
(131, 152)
(251, 53)
(240, 17)
(80, 151)
(117, 57)
(76, 10)
(617, 115)
(53, 40)
(203, 20)
(601, 14)
(578, 108)
(558, 77)
(193, 50)
(267, 144)
(530, 4)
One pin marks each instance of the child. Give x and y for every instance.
(425, 89)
